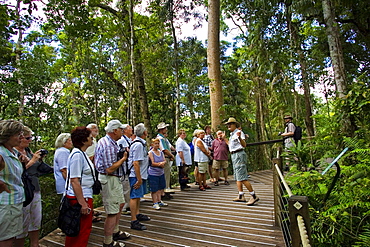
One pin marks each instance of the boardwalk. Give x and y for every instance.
(196, 218)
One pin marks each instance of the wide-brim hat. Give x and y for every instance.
(231, 120)
(288, 117)
(162, 125)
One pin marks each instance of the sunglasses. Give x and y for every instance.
(29, 138)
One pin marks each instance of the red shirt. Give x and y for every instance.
(220, 149)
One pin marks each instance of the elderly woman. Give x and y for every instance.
(11, 186)
(63, 144)
(202, 155)
(183, 158)
(80, 172)
(32, 212)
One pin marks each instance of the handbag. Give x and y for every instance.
(28, 186)
(69, 215)
(97, 185)
(44, 169)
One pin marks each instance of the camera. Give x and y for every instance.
(121, 152)
(43, 151)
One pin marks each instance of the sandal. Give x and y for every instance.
(97, 213)
(142, 217)
(201, 188)
(114, 244)
(216, 183)
(226, 183)
(96, 219)
(207, 187)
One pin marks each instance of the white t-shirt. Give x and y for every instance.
(79, 166)
(182, 146)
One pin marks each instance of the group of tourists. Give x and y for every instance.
(125, 168)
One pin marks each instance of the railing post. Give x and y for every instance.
(298, 205)
(276, 190)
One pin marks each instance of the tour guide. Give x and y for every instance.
(237, 144)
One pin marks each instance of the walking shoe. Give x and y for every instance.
(121, 235)
(207, 187)
(216, 183)
(240, 198)
(114, 244)
(142, 217)
(226, 183)
(156, 206)
(252, 200)
(162, 204)
(201, 188)
(166, 197)
(136, 225)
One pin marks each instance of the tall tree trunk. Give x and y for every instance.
(213, 60)
(176, 66)
(293, 29)
(336, 55)
(262, 150)
(18, 52)
(137, 71)
(335, 47)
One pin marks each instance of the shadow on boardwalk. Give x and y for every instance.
(201, 218)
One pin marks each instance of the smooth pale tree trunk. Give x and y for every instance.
(337, 60)
(213, 61)
(335, 47)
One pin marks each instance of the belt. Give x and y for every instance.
(237, 151)
(107, 174)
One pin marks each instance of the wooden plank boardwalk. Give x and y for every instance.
(200, 218)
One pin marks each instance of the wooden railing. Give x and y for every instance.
(291, 211)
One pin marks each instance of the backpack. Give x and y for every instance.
(297, 134)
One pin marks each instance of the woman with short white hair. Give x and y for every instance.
(63, 144)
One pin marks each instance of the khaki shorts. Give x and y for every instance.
(203, 167)
(112, 193)
(11, 220)
(218, 164)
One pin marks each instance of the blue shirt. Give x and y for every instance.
(60, 162)
(139, 152)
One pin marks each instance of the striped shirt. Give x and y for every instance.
(11, 176)
(106, 154)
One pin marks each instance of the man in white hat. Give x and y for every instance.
(288, 132)
(165, 147)
(111, 171)
(237, 144)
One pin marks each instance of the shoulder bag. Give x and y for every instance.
(69, 215)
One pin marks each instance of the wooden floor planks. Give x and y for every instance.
(201, 218)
